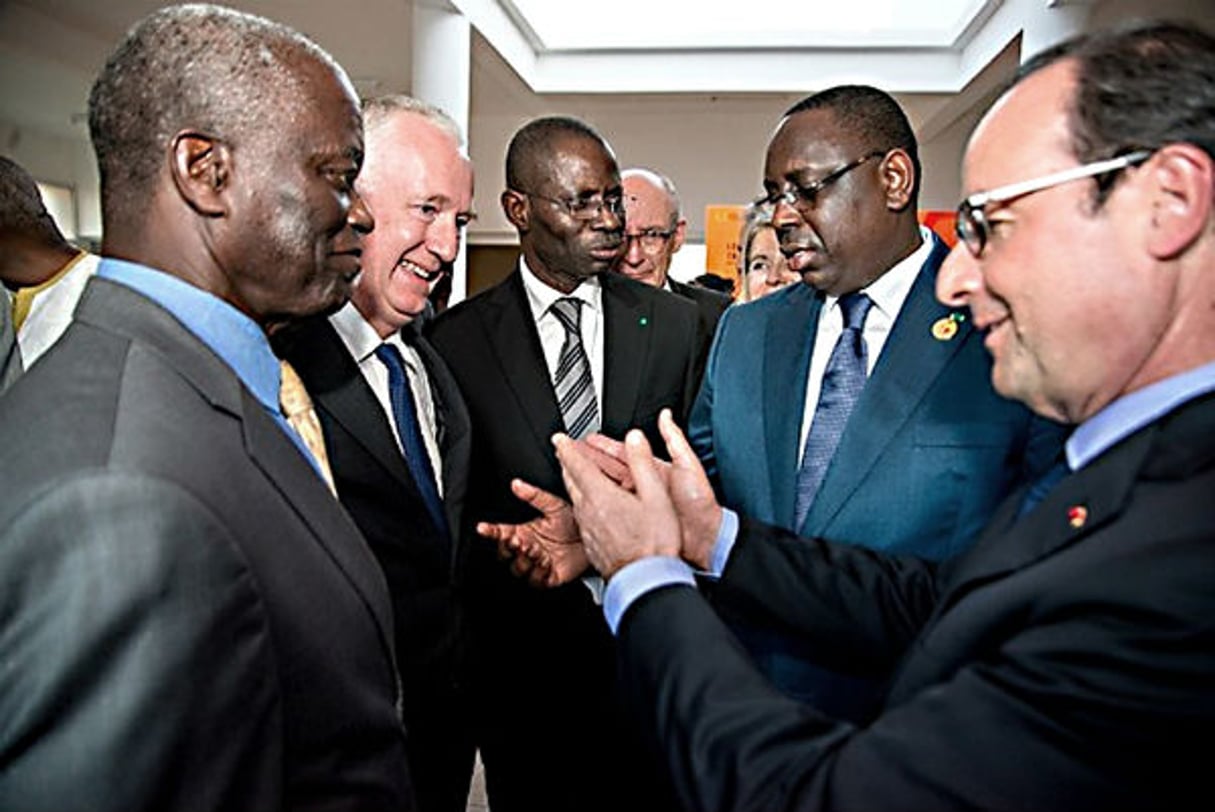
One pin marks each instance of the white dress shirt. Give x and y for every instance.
(888, 292)
(552, 333)
(51, 309)
(361, 342)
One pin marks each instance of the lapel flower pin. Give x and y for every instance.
(946, 327)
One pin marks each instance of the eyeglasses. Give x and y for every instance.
(651, 240)
(803, 196)
(585, 209)
(972, 225)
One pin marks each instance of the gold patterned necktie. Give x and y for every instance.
(297, 408)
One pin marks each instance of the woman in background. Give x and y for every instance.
(763, 265)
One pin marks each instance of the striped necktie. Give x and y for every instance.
(573, 385)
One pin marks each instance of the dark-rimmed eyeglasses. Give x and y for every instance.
(650, 240)
(585, 209)
(805, 195)
(972, 226)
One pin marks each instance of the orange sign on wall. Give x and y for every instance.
(722, 227)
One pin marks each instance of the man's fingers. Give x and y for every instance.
(680, 451)
(577, 471)
(609, 464)
(538, 498)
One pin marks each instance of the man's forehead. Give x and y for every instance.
(809, 137)
(1025, 133)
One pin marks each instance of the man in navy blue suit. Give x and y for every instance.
(895, 440)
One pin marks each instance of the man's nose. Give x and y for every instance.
(359, 216)
(959, 277)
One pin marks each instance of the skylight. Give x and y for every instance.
(560, 25)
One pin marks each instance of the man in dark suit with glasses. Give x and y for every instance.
(559, 346)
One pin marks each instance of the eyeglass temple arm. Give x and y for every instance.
(1024, 187)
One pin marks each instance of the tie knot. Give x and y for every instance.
(568, 312)
(855, 307)
(292, 396)
(389, 356)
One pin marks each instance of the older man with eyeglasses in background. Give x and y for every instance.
(559, 346)
(653, 235)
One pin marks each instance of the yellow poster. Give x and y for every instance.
(722, 226)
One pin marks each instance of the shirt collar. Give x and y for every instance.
(1129, 413)
(541, 296)
(356, 332)
(234, 337)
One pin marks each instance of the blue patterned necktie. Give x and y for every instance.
(412, 445)
(572, 383)
(843, 381)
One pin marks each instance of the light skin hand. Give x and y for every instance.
(691, 494)
(618, 526)
(686, 482)
(547, 550)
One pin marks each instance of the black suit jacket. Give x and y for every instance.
(551, 642)
(190, 620)
(1064, 662)
(373, 481)
(709, 306)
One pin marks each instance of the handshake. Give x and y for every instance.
(625, 505)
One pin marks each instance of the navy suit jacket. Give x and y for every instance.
(929, 450)
(1064, 662)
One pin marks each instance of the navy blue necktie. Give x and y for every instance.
(843, 381)
(410, 432)
(1042, 486)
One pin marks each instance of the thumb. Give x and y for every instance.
(640, 458)
(680, 451)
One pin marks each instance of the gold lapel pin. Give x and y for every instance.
(1077, 515)
(946, 327)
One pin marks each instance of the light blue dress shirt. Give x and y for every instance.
(1117, 421)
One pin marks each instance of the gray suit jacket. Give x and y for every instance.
(190, 621)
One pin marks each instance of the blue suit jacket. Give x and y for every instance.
(929, 450)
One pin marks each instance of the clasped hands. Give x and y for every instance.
(626, 505)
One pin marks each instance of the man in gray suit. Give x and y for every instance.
(189, 618)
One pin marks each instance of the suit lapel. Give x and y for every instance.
(1078, 506)
(454, 433)
(788, 344)
(626, 349)
(343, 393)
(118, 309)
(910, 363)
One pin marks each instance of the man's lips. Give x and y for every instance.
(800, 258)
(425, 274)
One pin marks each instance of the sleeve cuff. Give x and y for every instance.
(636, 579)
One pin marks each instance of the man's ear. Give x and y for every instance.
(200, 166)
(898, 178)
(515, 207)
(1182, 179)
(677, 238)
